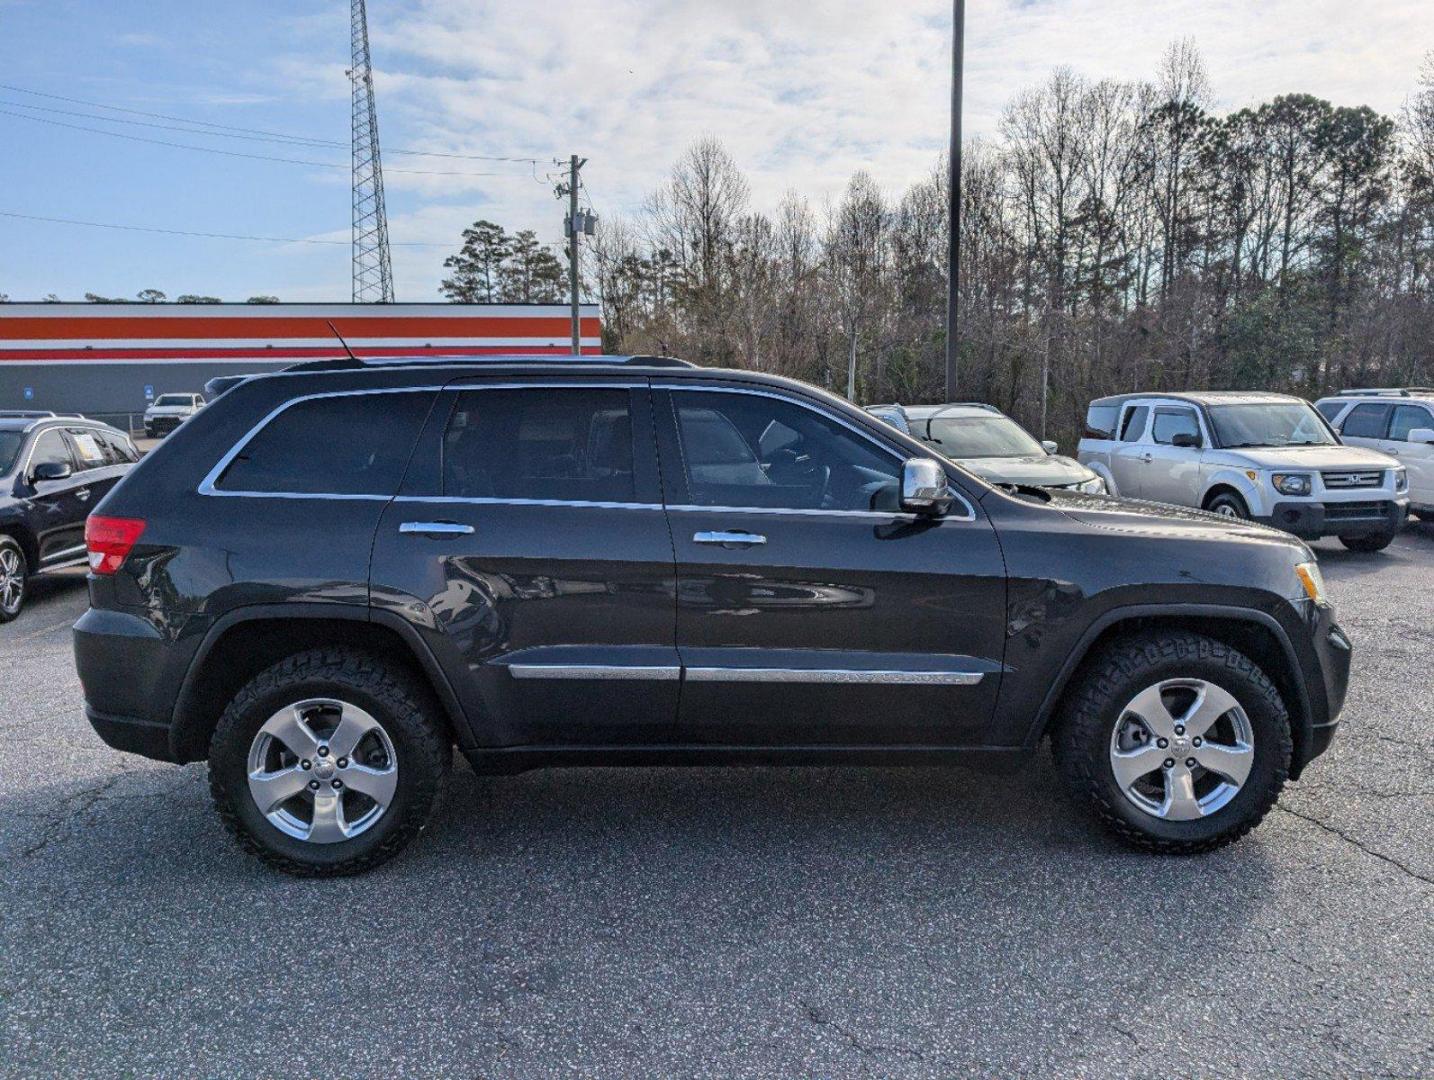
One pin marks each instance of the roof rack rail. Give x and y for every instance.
(440, 360)
(30, 414)
(1387, 391)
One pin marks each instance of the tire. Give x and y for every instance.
(1369, 544)
(1228, 504)
(14, 578)
(1096, 714)
(407, 746)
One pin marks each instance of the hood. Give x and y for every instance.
(1161, 519)
(1037, 470)
(1309, 457)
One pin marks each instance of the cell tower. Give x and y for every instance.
(373, 273)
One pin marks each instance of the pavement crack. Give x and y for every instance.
(1336, 831)
(819, 1016)
(59, 826)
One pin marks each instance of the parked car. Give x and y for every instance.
(1395, 422)
(1260, 457)
(984, 440)
(331, 576)
(168, 411)
(53, 469)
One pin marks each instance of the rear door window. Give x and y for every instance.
(89, 451)
(541, 443)
(1366, 421)
(1132, 426)
(350, 444)
(1406, 418)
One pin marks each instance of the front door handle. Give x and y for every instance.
(435, 528)
(1147, 458)
(744, 539)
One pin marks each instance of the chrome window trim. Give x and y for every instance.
(654, 672)
(30, 454)
(833, 675)
(485, 500)
(72, 554)
(206, 486)
(969, 515)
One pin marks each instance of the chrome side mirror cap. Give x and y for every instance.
(924, 487)
(1050, 446)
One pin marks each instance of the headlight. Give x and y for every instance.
(1401, 479)
(1095, 486)
(1292, 483)
(1312, 581)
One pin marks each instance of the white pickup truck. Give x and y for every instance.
(168, 411)
(1269, 458)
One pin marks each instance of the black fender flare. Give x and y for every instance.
(437, 678)
(1301, 715)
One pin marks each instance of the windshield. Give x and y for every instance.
(1276, 424)
(9, 446)
(174, 399)
(977, 437)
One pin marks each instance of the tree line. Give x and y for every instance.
(1115, 236)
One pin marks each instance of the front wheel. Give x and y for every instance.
(328, 763)
(1229, 505)
(1176, 741)
(1377, 542)
(14, 574)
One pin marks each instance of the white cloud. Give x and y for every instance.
(803, 94)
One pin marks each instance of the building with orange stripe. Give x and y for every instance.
(111, 359)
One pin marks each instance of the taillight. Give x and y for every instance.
(109, 540)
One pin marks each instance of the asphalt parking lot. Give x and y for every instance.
(751, 922)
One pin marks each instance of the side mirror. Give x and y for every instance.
(1186, 439)
(924, 487)
(1050, 446)
(1422, 435)
(52, 470)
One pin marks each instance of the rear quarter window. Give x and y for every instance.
(352, 444)
(1100, 422)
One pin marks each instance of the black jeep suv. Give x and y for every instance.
(53, 470)
(332, 575)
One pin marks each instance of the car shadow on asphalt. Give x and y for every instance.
(837, 826)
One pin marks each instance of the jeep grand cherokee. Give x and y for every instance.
(333, 575)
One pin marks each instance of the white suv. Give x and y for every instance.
(1395, 422)
(169, 411)
(1266, 457)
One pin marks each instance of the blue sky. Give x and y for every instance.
(803, 93)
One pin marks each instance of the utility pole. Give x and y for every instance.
(953, 190)
(574, 230)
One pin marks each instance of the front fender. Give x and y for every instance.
(1230, 476)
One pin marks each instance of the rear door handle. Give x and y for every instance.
(83, 493)
(435, 528)
(1147, 458)
(745, 539)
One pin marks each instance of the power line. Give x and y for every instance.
(205, 235)
(242, 132)
(238, 153)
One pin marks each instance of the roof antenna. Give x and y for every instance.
(342, 342)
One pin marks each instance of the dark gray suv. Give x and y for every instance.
(332, 576)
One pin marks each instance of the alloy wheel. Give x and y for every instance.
(12, 580)
(1182, 749)
(322, 770)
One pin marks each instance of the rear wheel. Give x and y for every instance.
(1377, 542)
(1229, 505)
(14, 572)
(1176, 741)
(328, 763)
